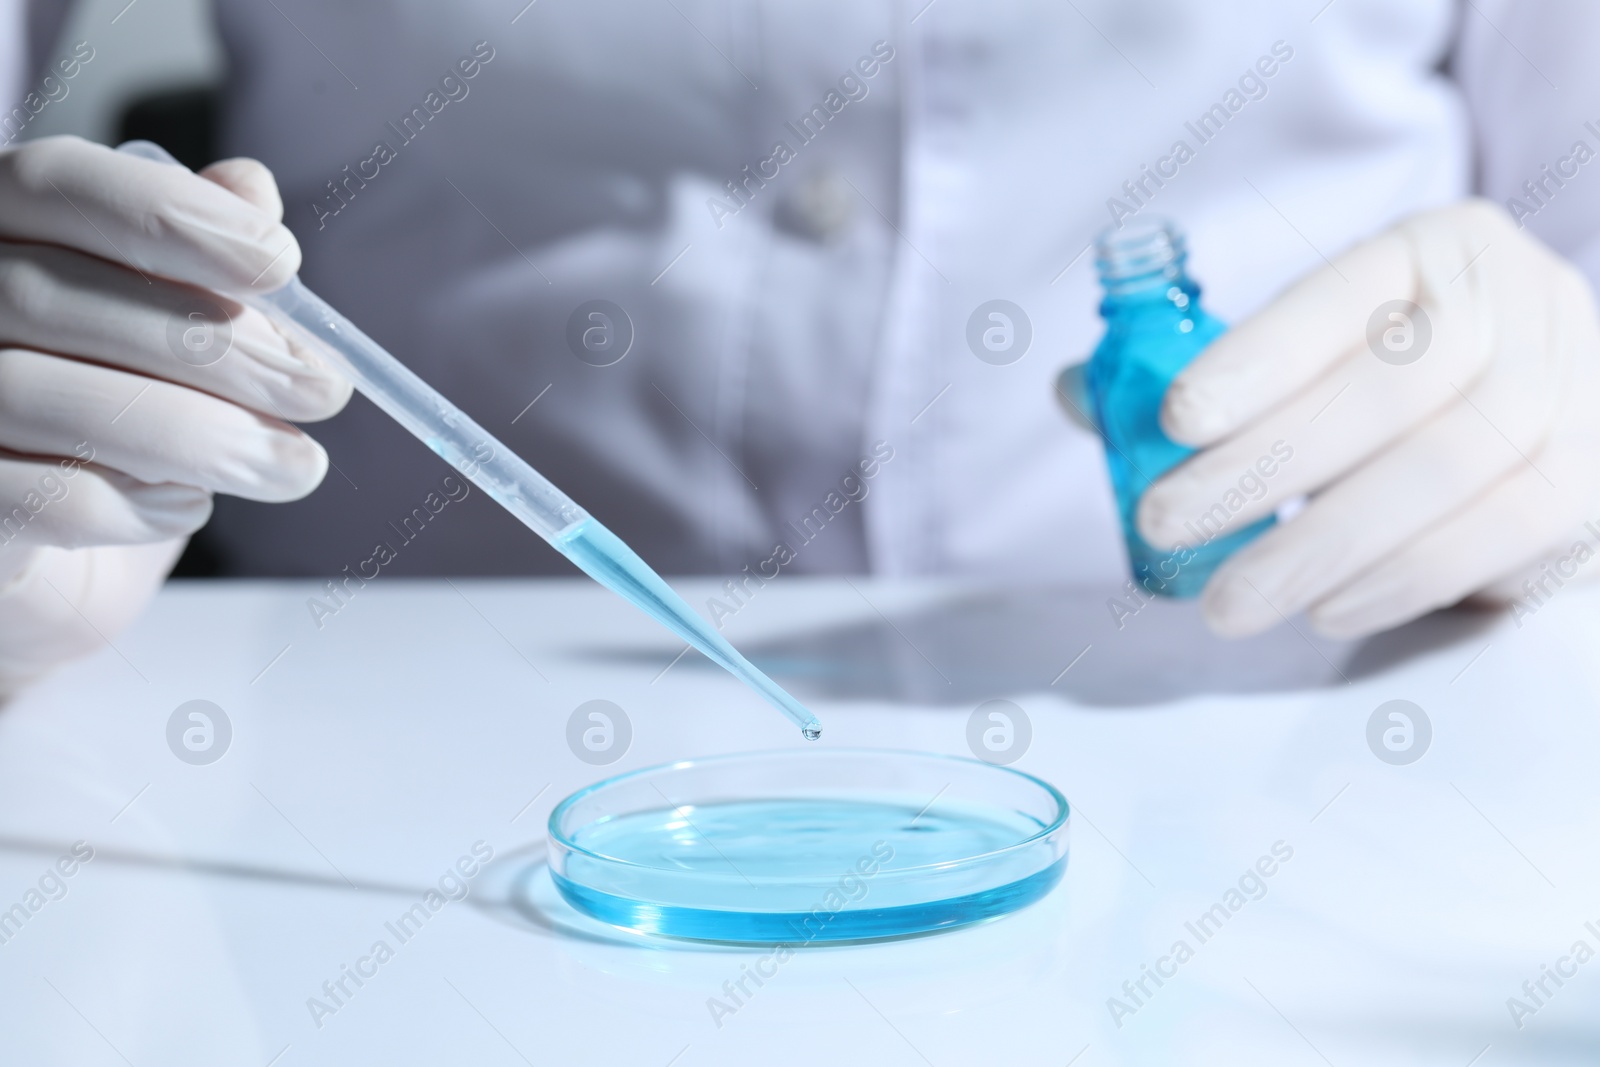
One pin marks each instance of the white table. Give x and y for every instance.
(369, 755)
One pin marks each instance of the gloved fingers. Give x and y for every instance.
(1413, 485)
(1356, 408)
(1571, 559)
(68, 603)
(1511, 586)
(1287, 346)
(1467, 252)
(72, 504)
(250, 180)
(1357, 522)
(1431, 261)
(153, 218)
(58, 300)
(1516, 520)
(1363, 402)
(151, 429)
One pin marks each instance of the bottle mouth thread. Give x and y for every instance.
(1143, 250)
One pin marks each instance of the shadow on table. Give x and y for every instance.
(977, 646)
(513, 887)
(211, 868)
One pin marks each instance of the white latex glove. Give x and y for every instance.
(1456, 473)
(122, 408)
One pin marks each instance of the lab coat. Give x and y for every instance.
(798, 208)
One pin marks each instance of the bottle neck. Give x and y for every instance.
(1142, 268)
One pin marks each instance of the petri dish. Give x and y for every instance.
(808, 846)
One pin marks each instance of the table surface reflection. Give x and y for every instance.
(232, 910)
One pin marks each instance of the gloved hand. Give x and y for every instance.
(1447, 451)
(130, 388)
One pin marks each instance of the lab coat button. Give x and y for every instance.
(818, 208)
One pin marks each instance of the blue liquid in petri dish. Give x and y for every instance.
(1155, 327)
(797, 871)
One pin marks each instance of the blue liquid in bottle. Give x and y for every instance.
(1154, 328)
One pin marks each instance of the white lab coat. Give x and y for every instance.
(775, 344)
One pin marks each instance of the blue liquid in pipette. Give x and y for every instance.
(769, 865)
(603, 556)
(463, 444)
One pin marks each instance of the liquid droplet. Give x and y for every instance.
(811, 733)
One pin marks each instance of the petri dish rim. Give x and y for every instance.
(1062, 816)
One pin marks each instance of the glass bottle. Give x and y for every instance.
(1154, 328)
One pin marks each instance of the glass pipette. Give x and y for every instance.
(500, 472)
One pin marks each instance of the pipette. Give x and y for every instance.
(499, 472)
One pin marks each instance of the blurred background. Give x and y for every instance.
(156, 77)
(170, 51)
